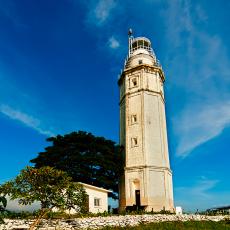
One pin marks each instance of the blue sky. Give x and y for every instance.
(59, 62)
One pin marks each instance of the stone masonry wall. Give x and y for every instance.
(100, 222)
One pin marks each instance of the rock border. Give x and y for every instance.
(110, 221)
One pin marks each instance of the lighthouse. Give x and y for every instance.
(146, 183)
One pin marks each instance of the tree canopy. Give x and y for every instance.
(86, 158)
(51, 187)
(3, 203)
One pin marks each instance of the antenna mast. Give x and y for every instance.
(130, 41)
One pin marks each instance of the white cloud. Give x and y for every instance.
(202, 195)
(201, 72)
(198, 124)
(113, 43)
(13, 205)
(24, 118)
(202, 16)
(99, 13)
(200, 189)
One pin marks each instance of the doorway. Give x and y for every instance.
(138, 199)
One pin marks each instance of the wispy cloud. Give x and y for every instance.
(201, 193)
(24, 118)
(113, 43)
(201, 72)
(200, 189)
(101, 11)
(198, 124)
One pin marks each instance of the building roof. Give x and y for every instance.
(141, 38)
(219, 208)
(94, 187)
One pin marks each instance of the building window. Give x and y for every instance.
(97, 202)
(140, 62)
(133, 119)
(134, 142)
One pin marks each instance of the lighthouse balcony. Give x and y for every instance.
(141, 43)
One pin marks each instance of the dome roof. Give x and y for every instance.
(141, 39)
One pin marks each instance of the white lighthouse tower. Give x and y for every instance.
(147, 180)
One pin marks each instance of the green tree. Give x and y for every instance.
(86, 158)
(51, 187)
(3, 203)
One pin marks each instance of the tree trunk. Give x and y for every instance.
(38, 220)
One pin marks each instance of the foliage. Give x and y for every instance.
(141, 212)
(3, 203)
(86, 158)
(227, 219)
(20, 215)
(179, 225)
(51, 187)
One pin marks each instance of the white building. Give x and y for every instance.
(147, 180)
(97, 201)
(97, 198)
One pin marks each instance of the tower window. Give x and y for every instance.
(134, 142)
(140, 62)
(133, 119)
(134, 82)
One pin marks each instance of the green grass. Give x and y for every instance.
(178, 225)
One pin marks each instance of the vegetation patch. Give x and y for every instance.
(179, 225)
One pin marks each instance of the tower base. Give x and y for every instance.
(147, 188)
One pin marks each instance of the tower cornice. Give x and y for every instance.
(146, 67)
(148, 166)
(142, 90)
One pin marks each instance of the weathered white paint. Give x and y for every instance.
(145, 138)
